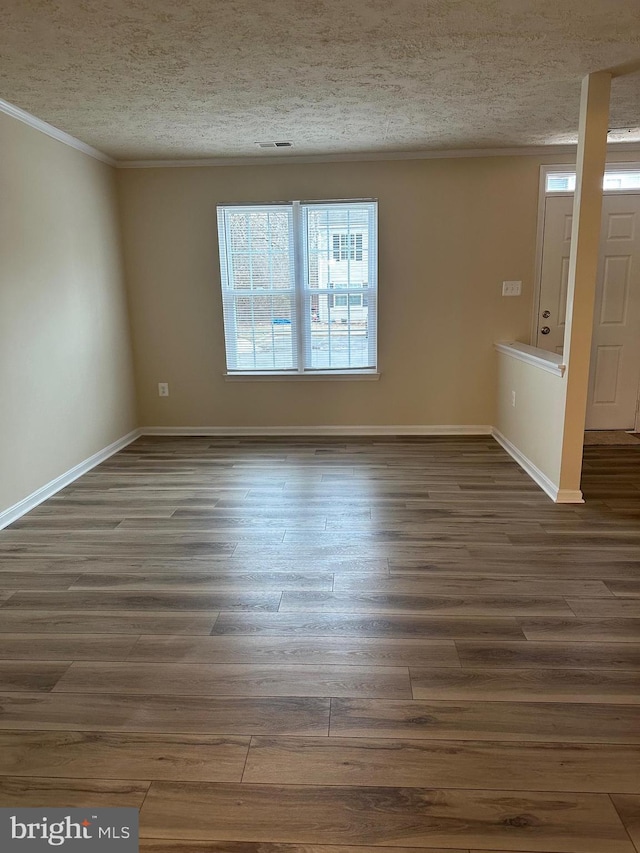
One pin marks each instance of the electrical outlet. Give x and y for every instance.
(513, 399)
(163, 389)
(511, 288)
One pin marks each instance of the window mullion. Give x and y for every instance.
(372, 299)
(299, 280)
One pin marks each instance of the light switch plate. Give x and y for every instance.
(511, 288)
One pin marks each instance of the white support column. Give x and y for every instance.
(583, 273)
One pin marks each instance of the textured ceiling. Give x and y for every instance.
(209, 78)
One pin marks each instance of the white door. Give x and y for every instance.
(615, 356)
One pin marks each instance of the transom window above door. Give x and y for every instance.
(299, 287)
(621, 180)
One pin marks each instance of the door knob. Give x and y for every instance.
(546, 314)
(545, 330)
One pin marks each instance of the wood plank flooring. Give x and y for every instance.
(329, 646)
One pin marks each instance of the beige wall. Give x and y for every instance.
(534, 425)
(66, 383)
(450, 232)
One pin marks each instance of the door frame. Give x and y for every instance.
(545, 171)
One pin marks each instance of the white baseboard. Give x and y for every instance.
(560, 496)
(13, 513)
(231, 431)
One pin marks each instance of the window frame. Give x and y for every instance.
(302, 325)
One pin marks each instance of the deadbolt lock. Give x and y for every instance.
(546, 314)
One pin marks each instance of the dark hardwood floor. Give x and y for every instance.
(329, 646)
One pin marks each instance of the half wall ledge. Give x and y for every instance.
(550, 361)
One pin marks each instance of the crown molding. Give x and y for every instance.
(54, 132)
(363, 157)
(360, 157)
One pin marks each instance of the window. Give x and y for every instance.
(299, 285)
(347, 247)
(344, 301)
(565, 182)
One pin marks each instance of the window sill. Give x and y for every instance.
(315, 376)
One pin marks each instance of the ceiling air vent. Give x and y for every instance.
(274, 144)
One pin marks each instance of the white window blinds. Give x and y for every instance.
(299, 286)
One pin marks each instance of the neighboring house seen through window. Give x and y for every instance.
(347, 247)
